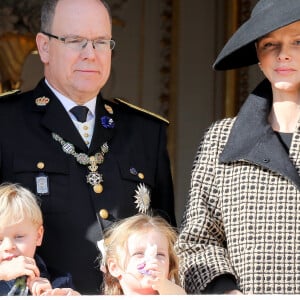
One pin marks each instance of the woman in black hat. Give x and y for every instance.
(241, 228)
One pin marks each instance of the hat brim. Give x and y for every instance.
(240, 49)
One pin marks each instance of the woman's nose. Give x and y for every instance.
(284, 53)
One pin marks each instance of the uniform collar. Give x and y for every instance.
(69, 103)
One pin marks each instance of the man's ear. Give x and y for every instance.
(42, 42)
(40, 234)
(113, 268)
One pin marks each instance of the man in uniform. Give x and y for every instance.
(89, 160)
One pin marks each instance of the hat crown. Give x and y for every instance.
(262, 6)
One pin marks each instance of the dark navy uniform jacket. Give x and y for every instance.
(74, 215)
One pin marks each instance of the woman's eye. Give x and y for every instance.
(268, 45)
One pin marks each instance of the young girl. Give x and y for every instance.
(138, 258)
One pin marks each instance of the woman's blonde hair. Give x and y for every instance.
(16, 204)
(116, 237)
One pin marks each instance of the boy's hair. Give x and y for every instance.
(116, 238)
(16, 204)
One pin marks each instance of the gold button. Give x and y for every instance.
(103, 214)
(85, 127)
(141, 175)
(40, 165)
(86, 135)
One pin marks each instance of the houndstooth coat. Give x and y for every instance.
(243, 212)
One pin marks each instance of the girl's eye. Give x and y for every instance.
(297, 43)
(138, 254)
(161, 255)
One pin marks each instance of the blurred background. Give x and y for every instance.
(162, 62)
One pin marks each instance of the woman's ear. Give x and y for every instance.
(113, 268)
(42, 42)
(40, 234)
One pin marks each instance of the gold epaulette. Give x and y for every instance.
(8, 93)
(142, 110)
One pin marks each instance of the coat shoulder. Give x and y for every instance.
(9, 94)
(139, 110)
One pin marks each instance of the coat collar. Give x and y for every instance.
(56, 119)
(252, 138)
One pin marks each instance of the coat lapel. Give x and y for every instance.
(102, 134)
(56, 119)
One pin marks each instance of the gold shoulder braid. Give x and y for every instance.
(93, 178)
(8, 93)
(142, 110)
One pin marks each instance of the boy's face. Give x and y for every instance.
(20, 239)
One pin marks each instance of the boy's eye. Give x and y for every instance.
(19, 236)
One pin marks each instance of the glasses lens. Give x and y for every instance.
(103, 45)
(112, 44)
(75, 43)
(79, 43)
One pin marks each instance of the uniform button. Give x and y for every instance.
(86, 135)
(103, 214)
(141, 175)
(40, 165)
(85, 127)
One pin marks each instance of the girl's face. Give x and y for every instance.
(135, 277)
(279, 56)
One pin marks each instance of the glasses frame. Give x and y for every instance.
(112, 43)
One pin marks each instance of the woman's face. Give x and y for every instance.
(279, 55)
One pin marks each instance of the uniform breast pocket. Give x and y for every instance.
(45, 176)
(137, 182)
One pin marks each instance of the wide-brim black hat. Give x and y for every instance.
(267, 16)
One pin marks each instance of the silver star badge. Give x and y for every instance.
(142, 196)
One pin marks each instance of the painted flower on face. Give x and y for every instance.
(107, 122)
(142, 196)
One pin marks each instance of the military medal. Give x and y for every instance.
(93, 178)
(42, 184)
(142, 196)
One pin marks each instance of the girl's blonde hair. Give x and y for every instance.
(116, 237)
(16, 204)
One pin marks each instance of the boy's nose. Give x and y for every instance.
(7, 244)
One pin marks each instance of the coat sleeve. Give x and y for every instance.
(163, 195)
(201, 245)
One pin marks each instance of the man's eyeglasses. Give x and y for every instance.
(78, 43)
